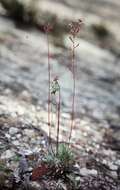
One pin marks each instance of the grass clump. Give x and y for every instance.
(63, 156)
(5, 172)
(61, 163)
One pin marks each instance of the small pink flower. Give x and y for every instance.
(75, 27)
(51, 56)
(48, 27)
(55, 78)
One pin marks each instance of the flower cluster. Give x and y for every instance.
(75, 27)
(48, 27)
(55, 86)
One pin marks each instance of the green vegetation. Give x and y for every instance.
(64, 156)
(5, 172)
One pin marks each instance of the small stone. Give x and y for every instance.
(7, 136)
(7, 154)
(85, 134)
(25, 152)
(29, 132)
(18, 136)
(13, 138)
(104, 161)
(20, 111)
(118, 162)
(87, 172)
(25, 139)
(113, 167)
(78, 178)
(114, 174)
(35, 185)
(33, 141)
(36, 150)
(108, 152)
(66, 115)
(13, 130)
(16, 143)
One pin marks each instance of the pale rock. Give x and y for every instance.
(33, 141)
(86, 172)
(21, 111)
(114, 174)
(7, 136)
(18, 136)
(35, 185)
(7, 154)
(25, 139)
(26, 152)
(29, 132)
(13, 138)
(65, 115)
(112, 166)
(118, 162)
(108, 152)
(36, 150)
(13, 130)
(16, 143)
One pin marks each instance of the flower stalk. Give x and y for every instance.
(56, 89)
(47, 29)
(58, 122)
(74, 30)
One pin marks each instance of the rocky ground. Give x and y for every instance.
(23, 98)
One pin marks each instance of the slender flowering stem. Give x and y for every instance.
(74, 30)
(49, 95)
(58, 122)
(56, 89)
(47, 29)
(74, 83)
